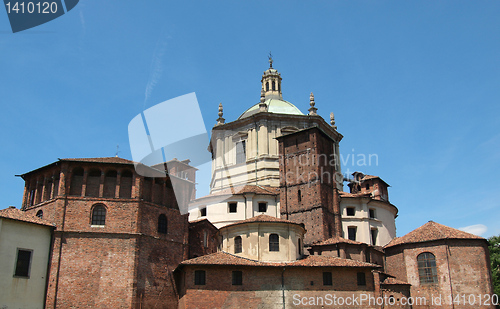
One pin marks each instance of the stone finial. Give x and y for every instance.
(262, 104)
(312, 109)
(332, 121)
(220, 120)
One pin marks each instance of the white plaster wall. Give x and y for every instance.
(26, 293)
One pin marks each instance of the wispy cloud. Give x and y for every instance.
(156, 68)
(476, 229)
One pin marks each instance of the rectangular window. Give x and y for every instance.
(232, 207)
(237, 278)
(350, 211)
(23, 263)
(203, 212)
(241, 156)
(374, 237)
(262, 207)
(372, 213)
(199, 277)
(361, 279)
(327, 278)
(351, 232)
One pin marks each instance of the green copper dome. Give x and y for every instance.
(275, 106)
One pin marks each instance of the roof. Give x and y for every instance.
(227, 259)
(261, 190)
(391, 281)
(16, 214)
(431, 231)
(347, 194)
(275, 106)
(337, 240)
(262, 218)
(116, 160)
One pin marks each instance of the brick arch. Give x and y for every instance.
(110, 178)
(93, 183)
(126, 181)
(76, 183)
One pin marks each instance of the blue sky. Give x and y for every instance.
(415, 82)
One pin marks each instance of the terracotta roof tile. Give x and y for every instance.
(227, 259)
(390, 280)
(347, 194)
(100, 160)
(19, 215)
(337, 240)
(429, 232)
(262, 218)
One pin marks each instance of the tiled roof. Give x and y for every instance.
(262, 218)
(19, 215)
(100, 160)
(429, 232)
(347, 194)
(390, 280)
(227, 259)
(261, 190)
(337, 240)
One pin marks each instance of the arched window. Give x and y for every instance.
(162, 224)
(76, 182)
(99, 215)
(267, 86)
(274, 242)
(274, 86)
(39, 214)
(237, 244)
(427, 268)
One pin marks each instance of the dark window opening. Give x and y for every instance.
(237, 277)
(267, 86)
(99, 215)
(126, 184)
(367, 186)
(203, 212)
(110, 184)
(279, 86)
(23, 263)
(76, 182)
(274, 242)
(233, 207)
(237, 244)
(39, 214)
(372, 213)
(199, 277)
(427, 268)
(162, 224)
(361, 279)
(299, 244)
(351, 232)
(327, 278)
(262, 207)
(350, 211)
(299, 195)
(373, 234)
(241, 156)
(93, 183)
(274, 86)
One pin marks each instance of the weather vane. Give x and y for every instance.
(117, 150)
(270, 57)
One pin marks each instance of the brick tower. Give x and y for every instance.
(118, 235)
(308, 184)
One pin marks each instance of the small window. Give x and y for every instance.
(367, 186)
(203, 212)
(237, 277)
(199, 277)
(274, 242)
(299, 195)
(372, 213)
(350, 211)
(23, 263)
(327, 278)
(361, 279)
(241, 156)
(262, 207)
(274, 86)
(267, 86)
(373, 234)
(351, 232)
(162, 224)
(427, 268)
(299, 244)
(99, 215)
(232, 207)
(39, 214)
(237, 244)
